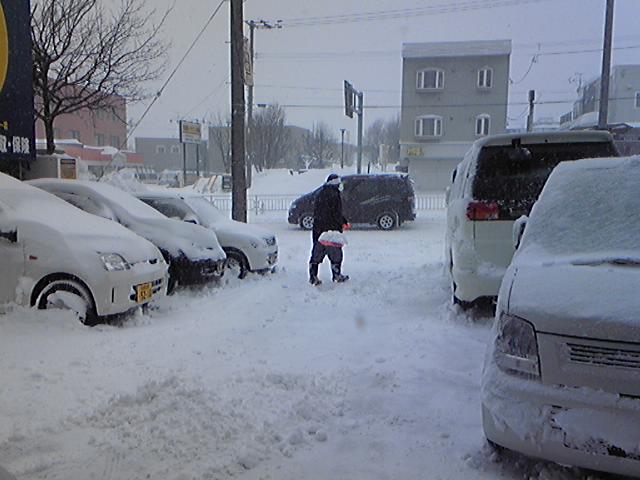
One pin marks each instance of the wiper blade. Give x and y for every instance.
(609, 261)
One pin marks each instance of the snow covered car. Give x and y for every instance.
(562, 374)
(498, 181)
(248, 248)
(56, 256)
(193, 252)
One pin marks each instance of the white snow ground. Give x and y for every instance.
(266, 378)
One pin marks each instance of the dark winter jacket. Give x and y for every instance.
(327, 211)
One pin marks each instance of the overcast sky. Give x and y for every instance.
(304, 66)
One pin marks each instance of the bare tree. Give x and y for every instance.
(319, 145)
(373, 138)
(270, 139)
(220, 139)
(84, 54)
(392, 137)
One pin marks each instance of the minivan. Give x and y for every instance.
(385, 200)
(497, 182)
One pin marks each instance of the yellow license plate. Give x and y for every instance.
(144, 292)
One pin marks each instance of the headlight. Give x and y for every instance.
(516, 347)
(114, 262)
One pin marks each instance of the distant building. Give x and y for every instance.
(168, 154)
(546, 124)
(100, 127)
(624, 100)
(452, 94)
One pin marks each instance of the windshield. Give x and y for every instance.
(587, 215)
(209, 214)
(125, 203)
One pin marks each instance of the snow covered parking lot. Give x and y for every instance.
(267, 378)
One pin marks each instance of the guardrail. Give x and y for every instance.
(259, 204)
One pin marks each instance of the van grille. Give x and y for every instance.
(603, 356)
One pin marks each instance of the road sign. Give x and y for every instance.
(190, 132)
(17, 136)
(349, 99)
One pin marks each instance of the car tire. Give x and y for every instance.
(387, 221)
(237, 264)
(306, 221)
(89, 317)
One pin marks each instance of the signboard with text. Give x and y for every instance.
(17, 135)
(190, 132)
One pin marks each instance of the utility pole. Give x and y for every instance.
(360, 111)
(532, 99)
(603, 114)
(253, 24)
(342, 131)
(238, 164)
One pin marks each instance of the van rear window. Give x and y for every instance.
(515, 179)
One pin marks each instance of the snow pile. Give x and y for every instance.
(124, 180)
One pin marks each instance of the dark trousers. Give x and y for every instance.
(319, 251)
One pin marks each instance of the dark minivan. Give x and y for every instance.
(385, 200)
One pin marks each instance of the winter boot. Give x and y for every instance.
(337, 276)
(313, 274)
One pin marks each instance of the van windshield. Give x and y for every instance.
(514, 179)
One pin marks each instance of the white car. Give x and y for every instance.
(498, 181)
(54, 255)
(562, 375)
(193, 252)
(248, 248)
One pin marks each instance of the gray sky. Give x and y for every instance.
(306, 65)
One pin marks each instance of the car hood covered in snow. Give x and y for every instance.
(591, 301)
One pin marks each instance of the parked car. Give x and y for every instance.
(498, 181)
(385, 200)
(248, 248)
(56, 256)
(562, 375)
(192, 252)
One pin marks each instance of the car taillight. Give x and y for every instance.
(483, 211)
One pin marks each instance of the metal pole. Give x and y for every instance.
(360, 120)
(252, 27)
(603, 113)
(342, 130)
(184, 163)
(198, 160)
(532, 99)
(238, 164)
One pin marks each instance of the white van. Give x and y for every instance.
(54, 255)
(497, 182)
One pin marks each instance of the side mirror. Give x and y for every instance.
(9, 234)
(518, 230)
(191, 219)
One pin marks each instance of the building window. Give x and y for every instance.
(483, 125)
(175, 149)
(637, 99)
(430, 79)
(99, 139)
(161, 149)
(115, 141)
(56, 133)
(75, 134)
(429, 126)
(485, 77)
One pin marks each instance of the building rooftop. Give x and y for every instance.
(456, 49)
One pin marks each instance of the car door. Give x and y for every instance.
(365, 201)
(349, 201)
(11, 259)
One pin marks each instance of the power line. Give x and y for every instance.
(434, 107)
(174, 71)
(443, 8)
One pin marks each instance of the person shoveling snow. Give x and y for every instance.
(328, 221)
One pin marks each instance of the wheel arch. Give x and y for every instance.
(47, 279)
(237, 252)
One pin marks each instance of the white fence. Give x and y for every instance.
(259, 204)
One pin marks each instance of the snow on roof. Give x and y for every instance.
(456, 49)
(545, 137)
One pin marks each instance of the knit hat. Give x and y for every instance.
(333, 179)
